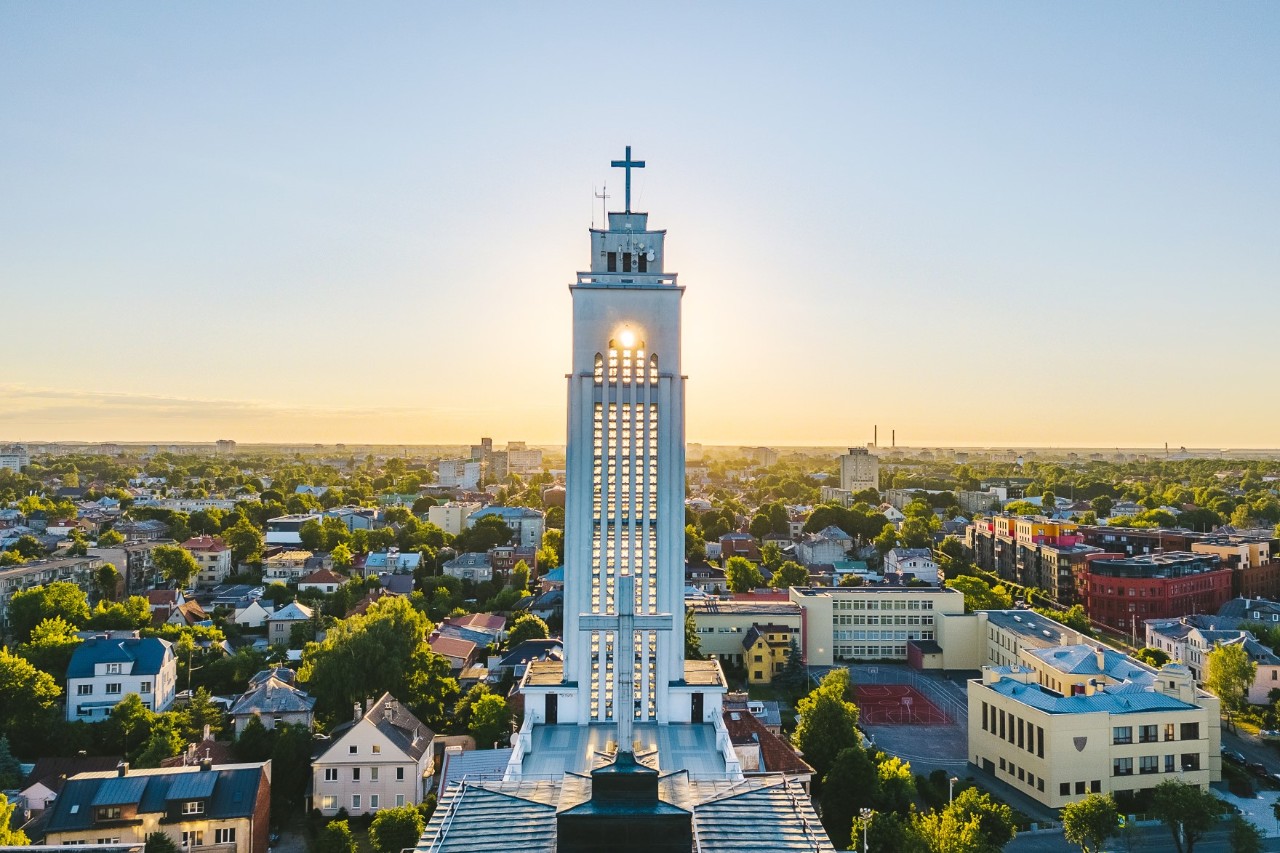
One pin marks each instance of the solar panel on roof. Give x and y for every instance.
(193, 786)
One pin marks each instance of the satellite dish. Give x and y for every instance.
(651, 256)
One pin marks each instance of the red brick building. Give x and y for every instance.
(1121, 591)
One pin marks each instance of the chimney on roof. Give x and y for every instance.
(1102, 657)
(356, 712)
(206, 765)
(122, 769)
(387, 712)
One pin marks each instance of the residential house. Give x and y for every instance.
(324, 580)
(204, 807)
(274, 702)
(147, 530)
(103, 671)
(452, 517)
(290, 565)
(912, 562)
(1189, 640)
(461, 653)
(517, 660)
(44, 783)
(765, 649)
(760, 750)
(392, 560)
(280, 624)
(827, 546)
(723, 624)
(526, 524)
(380, 759)
(739, 545)
(470, 566)
(253, 615)
(213, 556)
(492, 625)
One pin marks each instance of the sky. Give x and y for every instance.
(978, 224)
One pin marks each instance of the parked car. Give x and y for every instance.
(1270, 734)
(1259, 769)
(1233, 757)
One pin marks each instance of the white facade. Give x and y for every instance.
(917, 562)
(859, 470)
(104, 671)
(451, 517)
(367, 766)
(458, 473)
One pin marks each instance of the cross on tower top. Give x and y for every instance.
(628, 164)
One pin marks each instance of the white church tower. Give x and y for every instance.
(624, 505)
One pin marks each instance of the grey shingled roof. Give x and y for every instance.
(273, 696)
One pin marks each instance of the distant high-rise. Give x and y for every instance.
(859, 470)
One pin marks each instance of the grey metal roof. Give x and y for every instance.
(273, 696)
(148, 655)
(1108, 700)
(233, 793)
(192, 786)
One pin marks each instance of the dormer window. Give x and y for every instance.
(108, 813)
(114, 668)
(193, 807)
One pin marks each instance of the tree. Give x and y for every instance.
(254, 743)
(159, 842)
(383, 651)
(27, 696)
(164, 741)
(897, 789)
(487, 532)
(1245, 836)
(692, 642)
(130, 717)
(949, 831)
(490, 719)
(245, 541)
(27, 547)
(10, 837)
(201, 712)
(311, 535)
(1186, 810)
(850, 785)
(175, 563)
(979, 595)
(828, 722)
(886, 540)
(336, 837)
(520, 576)
(996, 825)
(887, 832)
(10, 769)
(28, 608)
(109, 539)
(527, 626)
(794, 676)
(1102, 505)
(50, 648)
(1090, 822)
(789, 574)
(1229, 673)
(132, 613)
(1152, 657)
(106, 582)
(742, 575)
(342, 556)
(396, 828)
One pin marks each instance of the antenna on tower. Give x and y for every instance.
(603, 195)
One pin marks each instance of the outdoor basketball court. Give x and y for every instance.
(896, 704)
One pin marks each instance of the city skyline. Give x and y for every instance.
(989, 226)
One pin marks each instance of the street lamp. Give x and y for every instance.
(951, 789)
(866, 822)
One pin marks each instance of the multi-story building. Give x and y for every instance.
(280, 623)
(522, 459)
(871, 622)
(970, 641)
(202, 809)
(470, 566)
(723, 625)
(76, 570)
(1134, 541)
(1122, 592)
(458, 473)
(452, 517)
(1067, 721)
(829, 545)
(377, 760)
(14, 457)
(1031, 550)
(976, 503)
(290, 565)
(273, 700)
(765, 651)
(526, 524)
(1189, 640)
(105, 669)
(285, 529)
(133, 561)
(859, 470)
(1255, 568)
(213, 556)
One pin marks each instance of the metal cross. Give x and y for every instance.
(628, 164)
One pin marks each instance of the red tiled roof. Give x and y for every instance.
(479, 621)
(162, 597)
(205, 543)
(324, 576)
(453, 647)
(776, 754)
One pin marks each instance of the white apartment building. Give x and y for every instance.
(859, 470)
(458, 473)
(105, 670)
(873, 622)
(378, 760)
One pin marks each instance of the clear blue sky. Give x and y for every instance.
(972, 223)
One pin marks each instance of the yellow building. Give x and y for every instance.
(722, 625)
(1072, 720)
(1031, 530)
(765, 650)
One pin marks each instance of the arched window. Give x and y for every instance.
(599, 375)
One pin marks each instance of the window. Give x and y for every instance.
(399, 774)
(1064, 789)
(329, 803)
(144, 687)
(1149, 764)
(193, 838)
(331, 774)
(377, 749)
(399, 800)
(373, 801)
(1079, 787)
(626, 262)
(1190, 761)
(84, 689)
(355, 801)
(1095, 787)
(1122, 734)
(109, 813)
(1148, 734)
(193, 807)
(351, 750)
(113, 687)
(373, 774)
(355, 774)
(1122, 767)
(1168, 731)
(225, 836)
(1168, 764)
(113, 669)
(1190, 731)
(611, 261)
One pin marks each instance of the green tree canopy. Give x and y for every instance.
(980, 595)
(527, 626)
(490, 720)
(742, 575)
(27, 697)
(1229, 673)
(395, 829)
(789, 574)
(28, 608)
(50, 648)
(1186, 810)
(828, 722)
(850, 785)
(336, 837)
(10, 837)
(175, 564)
